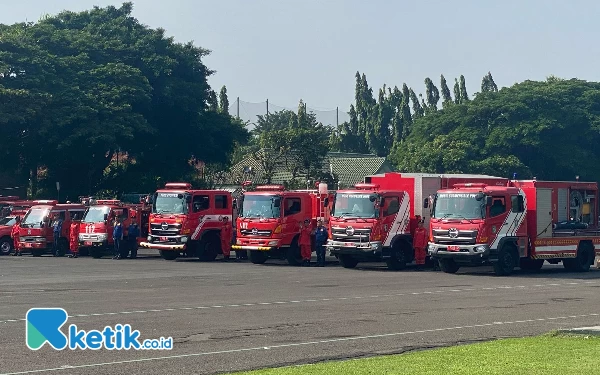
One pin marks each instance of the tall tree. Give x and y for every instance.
(447, 97)
(223, 101)
(418, 110)
(488, 84)
(456, 91)
(405, 108)
(464, 97)
(432, 93)
(212, 101)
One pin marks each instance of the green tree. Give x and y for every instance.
(456, 91)
(418, 110)
(407, 118)
(488, 84)
(223, 101)
(464, 97)
(432, 93)
(447, 97)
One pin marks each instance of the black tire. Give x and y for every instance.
(506, 261)
(169, 255)
(398, 259)
(528, 264)
(448, 265)
(84, 251)
(209, 248)
(96, 252)
(347, 261)
(257, 256)
(293, 255)
(584, 260)
(63, 246)
(37, 252)
(6, 245)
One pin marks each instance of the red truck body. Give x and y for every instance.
(521, 225)
(14, 209)
(97, 225)
(270, 219)
(36, 233)
(381, 226)
(187, 221)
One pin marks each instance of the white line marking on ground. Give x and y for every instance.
(282, 346)
(500, 287)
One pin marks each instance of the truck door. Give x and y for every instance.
(293, 215)
(496, 215)
(390, 207)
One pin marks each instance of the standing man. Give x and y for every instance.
(321, 235)
(117, 238)
(305, 237)
(226, 238)
(74, 239)
(420, 244)
(133, 232)
(56, 231)
(14, 233)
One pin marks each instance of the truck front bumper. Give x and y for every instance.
(252, 248)
(464, 254)
(163, 246)
(367, 249)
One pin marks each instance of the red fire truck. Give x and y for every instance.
(375, 220)
(97, 224)
(521, 224)
(15, 209)
(188, 221)
(36, 233)
(5, 203)
(270, 218)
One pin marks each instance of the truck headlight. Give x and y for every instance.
(81, 237)
(481, 249)
(149, 238)
(40, 239)
(184, 239)
(273, 243)
(102, 237)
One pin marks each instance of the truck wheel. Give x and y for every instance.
(583, 261)
(209, 248)
(169, 255)
(347, 261)
(293, 256)
(398, 260)
(84, 251)
(96, 252)
(257, 256)
(37, 252)
(506, 261)
(448, 266)
(528, 264)
(6, 245)
(63, 246)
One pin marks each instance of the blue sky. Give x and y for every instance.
(286, 50)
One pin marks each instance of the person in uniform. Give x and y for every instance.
(321, 235)
(74, 239)
(420, 244)
(133, 232)
(305, 243)
(56, 232)
(117, 238)
(14, 233)
(226, 230)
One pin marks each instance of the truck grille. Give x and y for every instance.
(169, 230)
(344, 234)
(88, 237)
(251, 232)
(28, 239)
(465, 237)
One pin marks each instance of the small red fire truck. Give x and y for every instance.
(270, 219)
(521, 224)
(15, 209)
(375, 221)
(36, 233)
(188, 221)
(96, 227)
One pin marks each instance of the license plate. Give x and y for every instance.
(453, 248)
(88, 243)
(164, 239)
(349, 244)
(28, 245)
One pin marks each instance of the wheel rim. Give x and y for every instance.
(5, 247)
(507, 263)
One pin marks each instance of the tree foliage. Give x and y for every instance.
(547, 130)
(78, 90)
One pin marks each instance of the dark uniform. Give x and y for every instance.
(321, 235)
(132, 234)
(117, 237)
(56, 231)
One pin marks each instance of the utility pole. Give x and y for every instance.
(337, 116)
(267, 109)
(237, 113)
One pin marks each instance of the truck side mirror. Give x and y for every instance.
(426, 203)
(373, 198)
(325, 202)
(234, 204)
(489, 201)
(277, 203)
(105, 217)
(188, 199)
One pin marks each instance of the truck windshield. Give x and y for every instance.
(353, 205)
(261, 206)
(34, 218)
(458, 205)
(95, 214)
(8, 221)
(169, 203)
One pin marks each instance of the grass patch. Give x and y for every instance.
(548, 354)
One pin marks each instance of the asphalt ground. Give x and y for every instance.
(229, 316)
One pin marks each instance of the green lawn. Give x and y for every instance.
(548, 354)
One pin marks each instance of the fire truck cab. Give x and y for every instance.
(270, 219)
(97, 224)
(15, 209)
(36, 233)
(522, 224)
(188, 221)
